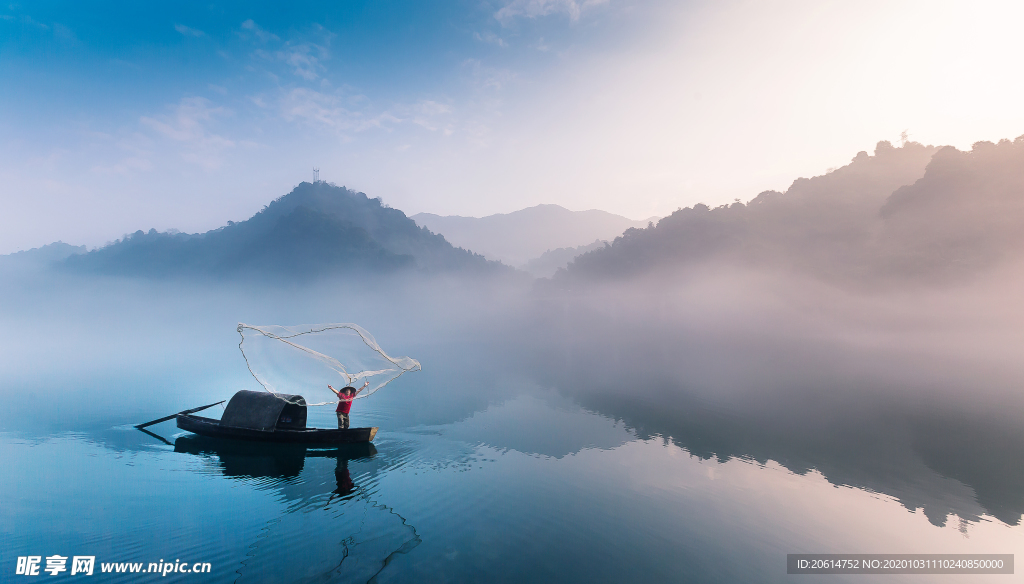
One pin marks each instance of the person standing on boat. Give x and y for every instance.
(345, 397)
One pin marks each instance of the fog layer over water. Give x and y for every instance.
(653, 427)
(882, 391)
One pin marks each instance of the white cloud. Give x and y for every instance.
(189, 31)
(327, 111)
(490, 37)
(304, 59)
(31, 21)
(347, 114)
(125, 166)
(432, 108)
(485, 77)
(432, 116)
(537, 8)
(260, 33)
(187, 126)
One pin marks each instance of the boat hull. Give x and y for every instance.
(210, 427)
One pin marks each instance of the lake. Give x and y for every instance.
(501, 461)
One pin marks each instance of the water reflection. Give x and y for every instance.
(334, 528)
(931, 428)
(238, 458)
(942, 461)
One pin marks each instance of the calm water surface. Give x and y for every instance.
(479, 473)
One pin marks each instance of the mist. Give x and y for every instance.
(829, 331)
(881, 390)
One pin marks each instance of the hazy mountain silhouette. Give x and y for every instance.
(518, 237)
(966, 213)
(915, 212)
(317, 229)
(41, 256)
(550, 261)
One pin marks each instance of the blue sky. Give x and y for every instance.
(121, 116)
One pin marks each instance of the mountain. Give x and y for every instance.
(42, 256)
(518, 237)
(317, 229)
(552, 260)
(914, 212)
(965, 214)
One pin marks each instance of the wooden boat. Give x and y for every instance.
(270, 417)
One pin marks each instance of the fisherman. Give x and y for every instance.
(345, 397)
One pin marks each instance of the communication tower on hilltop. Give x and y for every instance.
(316, 175)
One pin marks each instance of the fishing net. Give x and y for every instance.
(304, 359)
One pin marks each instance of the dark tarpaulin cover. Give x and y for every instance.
(259, 410)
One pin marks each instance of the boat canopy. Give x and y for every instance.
(265, 411)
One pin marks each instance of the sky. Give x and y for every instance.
(120, 116)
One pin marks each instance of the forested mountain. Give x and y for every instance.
(317, 229)
(914, 212)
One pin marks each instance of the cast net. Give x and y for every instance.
(304, 359)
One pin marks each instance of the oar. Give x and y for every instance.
(160, 438)
(186, 412)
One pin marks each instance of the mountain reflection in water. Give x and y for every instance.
(942, 460)
(913, 414)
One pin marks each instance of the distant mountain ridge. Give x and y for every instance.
(51, 252)
(518, 237)
(39, 258)
(915, 213)
(317, 229)
(833, 226)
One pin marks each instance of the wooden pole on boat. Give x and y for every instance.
(185, 412)
(157, 436)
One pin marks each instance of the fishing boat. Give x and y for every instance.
(269, 417)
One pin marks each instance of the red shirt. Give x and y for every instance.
(344, 406)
